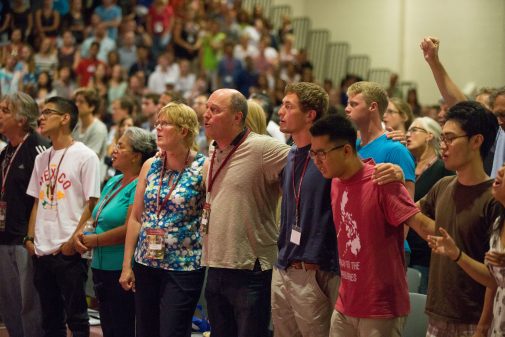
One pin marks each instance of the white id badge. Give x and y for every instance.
(204, 228)
(3, 215)
(296, 235)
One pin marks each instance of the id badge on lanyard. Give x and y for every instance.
(296, 230)
(155, 243)
(3, 215)
(204, 228)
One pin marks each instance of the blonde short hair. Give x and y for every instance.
(183, 117)
(372, 92)
(256, 120)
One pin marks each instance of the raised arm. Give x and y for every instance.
(448, 89)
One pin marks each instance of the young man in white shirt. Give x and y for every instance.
(65, 183)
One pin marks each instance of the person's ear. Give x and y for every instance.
(429, 137)
(136, 157)
(238, 117)
(476, 141)
(65, 120)
(184, 131)
(311, 116)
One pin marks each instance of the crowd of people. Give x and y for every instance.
(173, 140)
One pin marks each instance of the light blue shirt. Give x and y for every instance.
(109, 14)
(385, 150)
(499, 152)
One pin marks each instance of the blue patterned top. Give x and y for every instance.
(180, 217)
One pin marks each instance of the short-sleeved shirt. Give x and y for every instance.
(86, 69)
(369, 224)
(109, 14)
(179, 218)
(243, 201)
(112, 215)
(161, 20)
(467, 213)
(317, 242)
(94, 137)
(385, 150)
(59, 210)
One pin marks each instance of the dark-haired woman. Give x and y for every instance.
(116, 306)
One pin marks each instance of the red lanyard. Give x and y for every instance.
(52, 186)
(298, 193)
(6, 168)
(172, 188)
(212, 177)
(108, 197)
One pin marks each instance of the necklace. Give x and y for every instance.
(427, 166)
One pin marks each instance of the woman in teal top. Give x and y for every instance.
(163, 237)
(116, 306)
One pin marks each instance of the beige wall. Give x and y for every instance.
(472, 34)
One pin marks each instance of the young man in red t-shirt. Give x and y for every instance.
(373, 296)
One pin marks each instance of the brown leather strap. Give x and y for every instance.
(304, 265)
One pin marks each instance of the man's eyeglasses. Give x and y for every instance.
(448, 139)
(321, 154)
(49, 112)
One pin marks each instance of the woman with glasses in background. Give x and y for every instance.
(423, 141)
(163, 237)
(116, 306)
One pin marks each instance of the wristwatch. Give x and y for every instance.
(27, 238)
